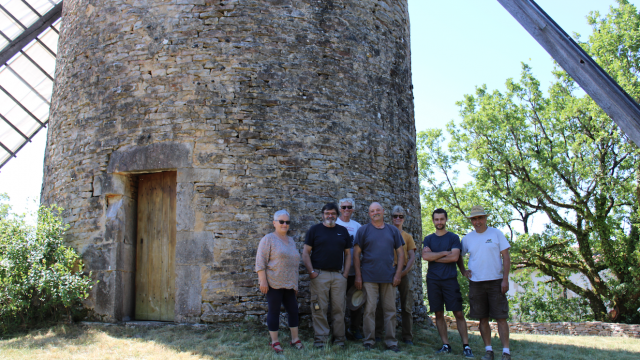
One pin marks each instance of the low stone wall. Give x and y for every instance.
(558, 328)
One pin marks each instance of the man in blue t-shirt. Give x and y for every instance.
(442, 250)
(376, 273)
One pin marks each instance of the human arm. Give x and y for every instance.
(347, 263)
(412, 259)
(453, 256)
(506, 266)
(429, 255)
(466, 273)
(356, 266)
(398, 276)
(306, 259)
(262, 280)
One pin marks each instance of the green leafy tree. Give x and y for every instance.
(557, 156)
(41, 279)
(545, 301)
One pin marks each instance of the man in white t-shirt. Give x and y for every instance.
(347, 207)
(489, 265)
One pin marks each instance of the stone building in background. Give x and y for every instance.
(178, 127)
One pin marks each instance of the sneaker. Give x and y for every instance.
(446, 349)
(467, 352)
(506, 356)
(367, 346)
(358, 335)
(394, 348)
(408, 342)
(487, 356)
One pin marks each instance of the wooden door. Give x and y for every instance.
(156, 247)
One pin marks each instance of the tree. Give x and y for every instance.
(560, 156)
(41, 279)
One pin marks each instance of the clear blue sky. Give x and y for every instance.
(455, 45)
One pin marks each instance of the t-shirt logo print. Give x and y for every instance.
(488, 241)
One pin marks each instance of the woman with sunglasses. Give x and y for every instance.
(277, 263)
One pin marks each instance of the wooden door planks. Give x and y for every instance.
(155, 255)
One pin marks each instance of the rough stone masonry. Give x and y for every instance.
(258, 105)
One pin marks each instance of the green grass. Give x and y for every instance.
(250, 341)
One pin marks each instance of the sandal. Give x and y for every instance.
(297, 344)
(273, 346)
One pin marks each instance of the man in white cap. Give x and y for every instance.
(489, 279)
(347, 207)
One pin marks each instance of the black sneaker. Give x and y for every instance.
(367, 346)
(394, 348)
(446, 349)
(467, 352)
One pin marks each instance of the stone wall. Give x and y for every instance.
(258, 105)
(558, 328)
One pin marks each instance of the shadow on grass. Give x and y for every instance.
(250, 341)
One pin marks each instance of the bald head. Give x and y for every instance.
(376, 213)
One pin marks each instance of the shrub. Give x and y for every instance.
(41, 279)
(545, 302)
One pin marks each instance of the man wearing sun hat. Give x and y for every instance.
(488, 275)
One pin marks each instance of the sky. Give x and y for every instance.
(455, 46)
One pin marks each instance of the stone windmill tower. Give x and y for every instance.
(178, 127)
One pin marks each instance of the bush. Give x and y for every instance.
(40, 278)
(545, 302)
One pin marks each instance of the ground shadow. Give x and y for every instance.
(250, 341)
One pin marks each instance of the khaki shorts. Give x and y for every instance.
(487, 300)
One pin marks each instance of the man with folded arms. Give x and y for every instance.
(489, 279)
(326, 255)
(378, 242)
(442, 250)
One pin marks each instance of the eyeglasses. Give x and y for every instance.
(398, 216)
(284, 222)
(346, 207)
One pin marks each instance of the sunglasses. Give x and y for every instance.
(398, 216)
(284, 222)
(346, 207)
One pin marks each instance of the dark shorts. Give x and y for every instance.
(444, 292)
(487, 300)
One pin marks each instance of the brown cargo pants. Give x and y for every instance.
(387, 294)
(328, 287)
(406, 304)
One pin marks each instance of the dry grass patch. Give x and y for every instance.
(249, 341)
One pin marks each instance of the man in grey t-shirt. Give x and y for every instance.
(378, 242)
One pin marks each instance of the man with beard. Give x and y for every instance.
(442, 250)
(326, 256)
(378, 242)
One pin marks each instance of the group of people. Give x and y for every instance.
(341, 256)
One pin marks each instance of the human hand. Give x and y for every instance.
(467, 274)
(396, 280)
(264, 287)
(313, 275)
(345, 274)
(358, 282)
(505, 286)
(425, 250)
